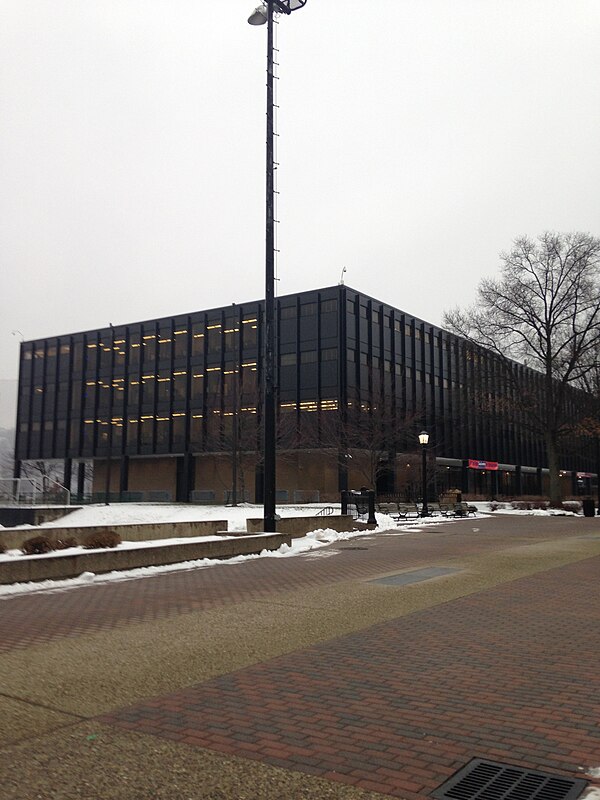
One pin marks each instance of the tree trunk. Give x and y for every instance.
(552, 454)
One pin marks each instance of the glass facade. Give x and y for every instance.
(173, 386)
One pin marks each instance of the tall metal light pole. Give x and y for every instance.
(261, 15)
(110, 413)
(424, 441)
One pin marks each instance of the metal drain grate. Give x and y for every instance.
(489, 780)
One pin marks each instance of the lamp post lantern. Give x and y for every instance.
(424, 441)
(261, 15)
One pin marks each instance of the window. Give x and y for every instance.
(149, 345)
(408, 330)
(164, 347)
(163, 389)
(147, 431)
(250, 330)
(213, 330)
(180, 338)
(350, 306)
(288, 359)
(196, 429)
(197, 386)
(135, 348)
(308, 309)
(162, 430)
(178, 426)
(74, 435)
(230, 337)
(179, 384)
(288, 312)
(148, 390)
(197, 339)
(329, 354)
(134, 393)
(328, 306)
(308, 357)
(397, 326)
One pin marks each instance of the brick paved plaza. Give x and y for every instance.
(301, 678)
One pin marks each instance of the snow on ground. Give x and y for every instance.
(593, 793)
(593, 772)
(308, 546)
(115, 514)
(131, 513)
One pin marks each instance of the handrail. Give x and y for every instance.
(326, 511)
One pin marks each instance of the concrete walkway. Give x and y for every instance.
(301, 678)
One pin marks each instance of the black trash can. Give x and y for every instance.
(589, 509)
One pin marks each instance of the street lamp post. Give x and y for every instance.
(424, 441)
(261, 15)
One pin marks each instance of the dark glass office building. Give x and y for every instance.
(164, 408)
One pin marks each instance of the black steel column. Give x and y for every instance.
(123, 477)
(518, 481)
(68, 466)
(269, 388)
(494, 484)
(464, 475)
(81, 480)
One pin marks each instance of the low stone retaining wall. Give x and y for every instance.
(299, 526)
(136, 532)
(54, 567)
(32, 515)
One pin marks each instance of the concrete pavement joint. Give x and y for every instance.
(43, 706)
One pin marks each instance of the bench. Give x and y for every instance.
(408, 510)
(464, 509)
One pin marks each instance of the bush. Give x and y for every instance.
(572, 505)
(37, 545)
(102, 539)
(529, 505)
(3, 547)
(67, 541)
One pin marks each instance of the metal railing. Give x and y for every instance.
(33, 491)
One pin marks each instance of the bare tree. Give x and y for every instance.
(7, 452)
(542, 313)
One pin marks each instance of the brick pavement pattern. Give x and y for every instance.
(39, 618)
(509, 674)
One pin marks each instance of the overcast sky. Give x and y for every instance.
(417, 140)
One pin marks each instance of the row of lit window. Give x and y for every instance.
(120, 421)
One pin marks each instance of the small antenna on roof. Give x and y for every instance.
(341, 283)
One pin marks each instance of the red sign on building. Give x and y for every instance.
(476, 464)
